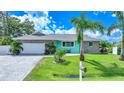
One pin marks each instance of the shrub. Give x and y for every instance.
(105, 47)
(16, 48)
(68, 51)
(59, 55)
(119, 49)
(50, 48)
(104, 50)
(6, 41)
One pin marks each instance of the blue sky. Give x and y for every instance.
(59, 21)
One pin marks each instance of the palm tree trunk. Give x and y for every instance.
(81, 51)
(81, 57)
(122, 46)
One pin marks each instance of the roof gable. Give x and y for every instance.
(37, 33)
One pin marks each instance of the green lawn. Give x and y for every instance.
(99, 67)
(47, 70)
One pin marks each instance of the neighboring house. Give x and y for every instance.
(35, 43)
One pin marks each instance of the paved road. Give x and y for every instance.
(16, 68)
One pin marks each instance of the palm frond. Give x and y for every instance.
(112, 27)
(93, 26)
(83, 16)
(74, 20)
(120, 15)
(99, 26)
(82, 24)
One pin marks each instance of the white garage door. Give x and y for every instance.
(4, 50)
(33, 48)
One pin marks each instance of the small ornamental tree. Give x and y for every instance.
(59, 55)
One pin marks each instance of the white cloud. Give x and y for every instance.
(22, 18)
(42, 22)
(40, 19)
(71, 31)
(113, 15)
(97, 12)
(63, 31)
(91, 34)
(115, 30)
(47, 31)
(58, 31)
(50, 17)
(115, 35)
(61, 27)
(54, 26)
(104, 12)
(37, 13)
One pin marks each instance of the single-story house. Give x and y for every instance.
(35, 43)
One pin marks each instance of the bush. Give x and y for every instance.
(6, 41)
(68, 51)
(119, 49)
(105, 47)
(16, 48)
(104, 51)
(59, 55)
(50, 48)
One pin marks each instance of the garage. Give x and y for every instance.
(4, 50)
(33, 48)
(33, 44)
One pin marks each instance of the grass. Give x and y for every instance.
(104, 67)
(46, 70)
(99, 67)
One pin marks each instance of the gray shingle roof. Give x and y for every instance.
(62, 37)
(37, 33)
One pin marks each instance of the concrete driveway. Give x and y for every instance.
(16, 68)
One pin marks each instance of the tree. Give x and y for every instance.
(59, 55)
(6, 41)
(18, 28)
(3, 23)
(13, 27)
(28, 27)
(120, 25)
(106, 47)
(119, 48)
(82, 24)
(16, 48)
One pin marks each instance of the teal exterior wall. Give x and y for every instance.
(74, 49)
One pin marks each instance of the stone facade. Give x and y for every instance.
(91, 49)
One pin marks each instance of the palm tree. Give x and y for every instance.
(16, 48)
(82, 25)
(120, 25)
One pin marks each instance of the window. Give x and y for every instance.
(90, 43)
(68, 44)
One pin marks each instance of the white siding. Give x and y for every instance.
(33, 48)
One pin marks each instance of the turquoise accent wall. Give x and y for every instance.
(74, 49)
